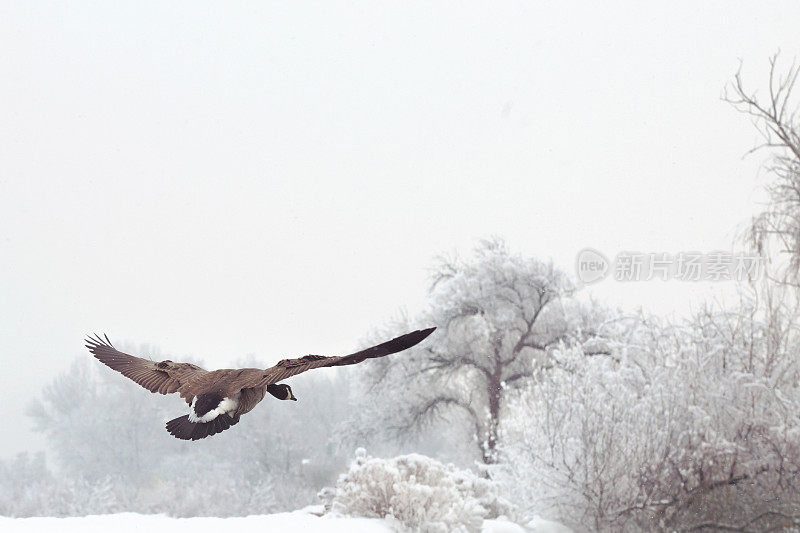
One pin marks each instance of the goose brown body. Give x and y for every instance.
(219, 397)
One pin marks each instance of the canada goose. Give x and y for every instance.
(218, 398)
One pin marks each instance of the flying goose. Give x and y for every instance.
(218, 398)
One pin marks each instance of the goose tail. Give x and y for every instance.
(183, 429)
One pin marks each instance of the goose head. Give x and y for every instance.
(281, 392)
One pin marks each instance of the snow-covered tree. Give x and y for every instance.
(775, 231)
(92, 441)
(498, 315)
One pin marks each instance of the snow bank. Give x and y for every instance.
(540, 525)
(136, 523)
(537, 525)
(294, 521)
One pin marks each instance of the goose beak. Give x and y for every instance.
(293, 398)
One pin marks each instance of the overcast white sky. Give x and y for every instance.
(221, 179)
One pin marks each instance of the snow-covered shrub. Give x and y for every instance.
(677, 427)
(80, 497)
(28, 488)
(216, 496)
(419, 492)
(73, 497)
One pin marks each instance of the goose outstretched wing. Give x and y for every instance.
(163, 377)
(291, 367)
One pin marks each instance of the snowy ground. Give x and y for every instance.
(294, 521)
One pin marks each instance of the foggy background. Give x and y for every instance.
(258, 181)
(275, 179)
